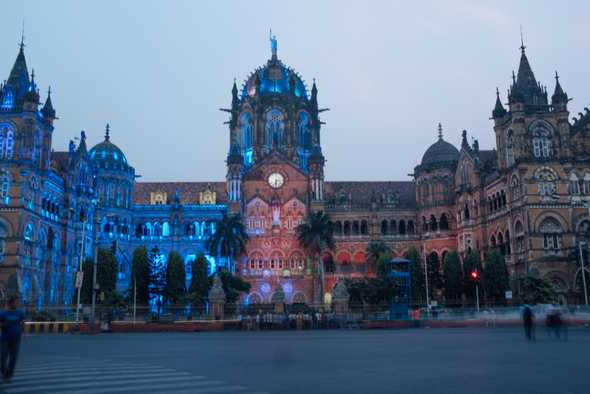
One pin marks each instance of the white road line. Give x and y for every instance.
(82, 385)
(190, 388)
(90, 368)
(108, 377)
(92, 371)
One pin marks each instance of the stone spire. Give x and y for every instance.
(82, 145)
(47, 110)
(525, 87)
(464, 143)
(18, 80)
(440, 131)
(559, 96)
(107, 132)
(499, 109)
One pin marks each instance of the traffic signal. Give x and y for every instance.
(474, 276)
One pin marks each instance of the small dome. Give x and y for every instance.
(440, 152)
(108, 155)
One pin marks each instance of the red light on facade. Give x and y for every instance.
(474, 275)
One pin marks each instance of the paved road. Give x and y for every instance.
(402, 361)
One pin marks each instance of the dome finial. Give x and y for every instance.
(273, 45)
(522, 47)
(440, 133)
(22, 37)
(107, 132)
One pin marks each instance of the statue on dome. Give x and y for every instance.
(273, 44)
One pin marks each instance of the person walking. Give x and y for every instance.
(12, 327)
(528, 320)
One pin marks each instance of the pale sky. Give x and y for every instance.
(158, 71)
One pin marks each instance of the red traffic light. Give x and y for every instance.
(474, 275)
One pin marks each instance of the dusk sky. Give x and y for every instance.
(389, 71)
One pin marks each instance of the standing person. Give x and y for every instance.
(12, 327)
(528, 320)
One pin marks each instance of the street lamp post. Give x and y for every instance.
(582, 272)
(80, 271)
(95, 262)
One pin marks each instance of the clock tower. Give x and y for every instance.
(274, 177)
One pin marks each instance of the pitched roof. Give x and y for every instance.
(188, 191)
(362, 194)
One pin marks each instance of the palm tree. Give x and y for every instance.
(316, 235)
(375, 250)
(229, 239)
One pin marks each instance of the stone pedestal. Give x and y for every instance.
(278, 300)
(216, 299)
(340, 298)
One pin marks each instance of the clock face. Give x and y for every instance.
(276, 180)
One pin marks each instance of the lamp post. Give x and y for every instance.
(95, 262)
(80, 273)
(582, 272)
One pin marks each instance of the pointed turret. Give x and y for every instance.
(499, 110)
(31, 96)
(234, 95)
(82, 146)
(314, 92)
(559, 98)
(18, 80)
(525, 88)
(47, 111)
(464, 143)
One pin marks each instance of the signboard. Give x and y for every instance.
(509, 295)
(434, 303)
(79, 279)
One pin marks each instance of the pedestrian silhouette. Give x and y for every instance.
(528, 320)
(12, 326)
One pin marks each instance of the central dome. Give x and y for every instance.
(440, 152)
(274, 78)
(108, 155)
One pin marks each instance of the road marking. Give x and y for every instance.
(108, 377)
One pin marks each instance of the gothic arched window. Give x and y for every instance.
(509, 148)
(303, 130)
(519, 231)
(274, 129)
(8, 100)
(6, 141)
(5, 187)
(546, 180)
(28, 234)
(574, 187)
(542, 144)
(246, 137)
(37, 146)
(3, 235)
(551, 231)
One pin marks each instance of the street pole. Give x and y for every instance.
(582, 272)
(134, 299)
(94, 265)
(80, 269)
(477, 296)
(426, 277)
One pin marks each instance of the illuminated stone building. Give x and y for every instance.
(526, 197)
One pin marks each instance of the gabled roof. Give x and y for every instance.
(189, 191)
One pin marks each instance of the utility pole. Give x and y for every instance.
(426, 283)
(582, 271)
(134, 299)
(477, 296)
(80, 272)
(95, 263)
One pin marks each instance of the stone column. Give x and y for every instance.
(216, 299)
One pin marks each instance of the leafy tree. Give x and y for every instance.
(453, 277)
(435, 280)
(106, 272)
(370, 293)
(383, 266)
(534, 290)
(315, 235)
(232, 285)
(416, 274)
(495, 276)
(229, 239)
(86, 292)
(175, 288)
(471, 263)
(140, 274)
(375, 250)
(199, 286)
(157, 270)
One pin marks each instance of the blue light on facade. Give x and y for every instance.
(8, 100)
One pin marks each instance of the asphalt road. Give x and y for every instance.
(334, 361)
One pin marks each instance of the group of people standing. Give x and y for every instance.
(554, 321)
(12, 321)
